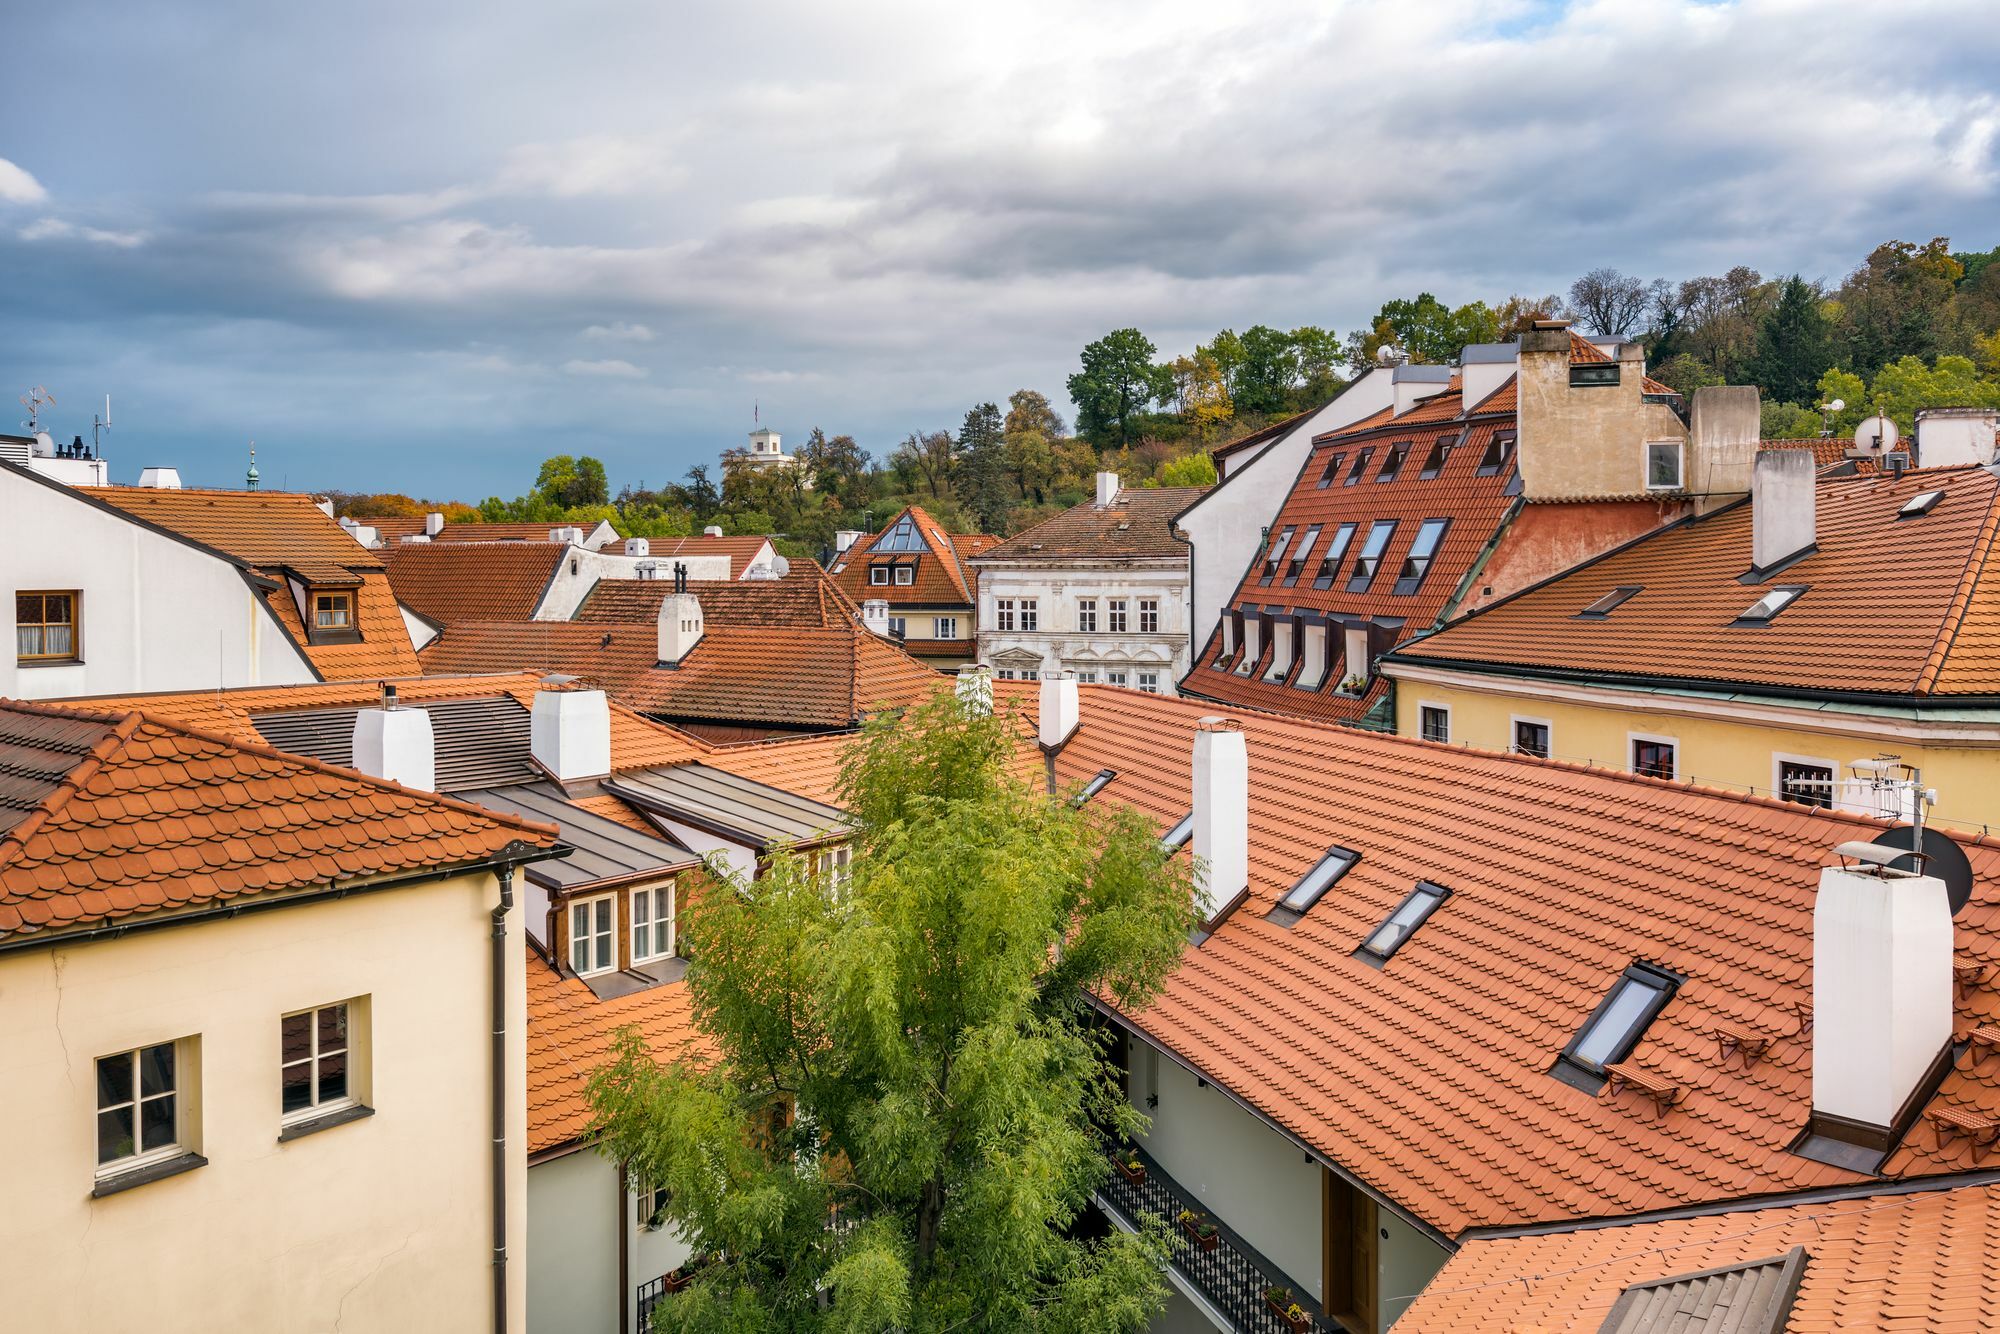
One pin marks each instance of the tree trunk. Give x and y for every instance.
(930, 1208)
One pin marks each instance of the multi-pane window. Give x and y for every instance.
(653, 1208)
(1531, 738)
(1423, 550)
(1330, 471)
(944, 627)
(313, 1050)
(1149, 616)
(1005, 674)
(902, 536)
(906, 574)
(1149, 682)
(1434, 722)
(1300, 555)
(1370, 558)
(45, 627)
(1030, 674)
(1086, 615)
(1087, 677)
(1114, 615)
(898, 626)
(1003, 613)
(832, 865)
(1115, 678)
(878, 574)
(1029, 616)
(1276, 555)
(333, 611)
(1652, 758)
(652, 923)
(138, 1106)
(1808, 784)
(1329, 564)
(1663, 465)
(593, 943)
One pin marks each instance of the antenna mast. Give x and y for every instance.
(98, 427)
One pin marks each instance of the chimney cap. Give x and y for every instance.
(1876, 856)
(1552, 323)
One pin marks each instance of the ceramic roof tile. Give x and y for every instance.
(1139, 523)
(158, 816)
(1898, 605)
(740, 550)
(472, 581)
(392, 530)
(805, 598)
(940, 577)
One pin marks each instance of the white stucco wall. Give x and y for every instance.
(383, 1223)
(1225, 528)
(157, 613)
(1056, 645)
(573, 1246)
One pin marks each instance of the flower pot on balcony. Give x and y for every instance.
(1132, 1171)
(1200, 1231)
(1289, 1313)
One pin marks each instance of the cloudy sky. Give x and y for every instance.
(421, 246)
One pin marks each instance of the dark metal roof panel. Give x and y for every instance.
(480, 742)
(36, 753)
(603, 849)
(1751, 1298)
(718, 799)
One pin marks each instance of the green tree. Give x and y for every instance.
(1030, 411)
(982, 468)
(927, 458)
(1899, 304)
(1319, 353)
(837, 467)
(1200, 395)
(1905, 385)
(1794, 344)
(1117, 382)
(1847, 389)
(1424, 330)
(910, 1054)
(1032, 459)
(1188, 470)
(1270, 368)
(1226, 349)
(569, 482)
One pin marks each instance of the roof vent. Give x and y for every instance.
(711, 530)
(433, 523)
(160, 479)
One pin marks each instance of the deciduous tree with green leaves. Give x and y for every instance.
(1117, 383)
(894, 1132)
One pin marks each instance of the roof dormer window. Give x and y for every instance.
(1616, 1025)
(1370, 559)
(1336, 549)
(1434, 461)
(1393, 465)
(1360, 465)
(1498, 451)
(333, 611)
(1331, 470)
(1423, 550)
(1276, 555)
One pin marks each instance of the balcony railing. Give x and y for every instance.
(650, 1295)
(1233, 1277)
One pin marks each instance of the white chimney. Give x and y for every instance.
(1107, 489)
(324, 506)
(1953, 437)
(1060, 710)
(974, 689)
(396, 744)
(1414, 384)
(845, 538)
(1221, 813)
(712, 530)
(1483, 368)
(875, 617)
(571, 536)
(680, 625)
(570, 734)
(1882, 985)
(638, 546)
(1782, 505)
(160, 479)
(414, 539)
(433, 524)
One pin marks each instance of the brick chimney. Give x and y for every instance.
(396, 743)
(570, 734)
(1221, 806)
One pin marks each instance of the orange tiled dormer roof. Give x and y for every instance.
(1427, 1078)
(286, 538)
(111, 816)
(1895, 603)
(473, 581)
(940, 577)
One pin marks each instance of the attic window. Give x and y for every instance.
(1177, 837)
(1498, 450)
(1123, 527)
(333, 611)
(1276, 555)
(1593, 373)
(1410, 914)
(1434, 462)
(1918, 505)
(1094, 786)
(1331, 470)
(1616, 1025)
(1314, 883)
(1300, 555)
(1360, 464)
(1422, 552)
(1615, 598)
(1370, 559)
(902, 536)
(1393, 465)
(1765, 608)
(1329, 565)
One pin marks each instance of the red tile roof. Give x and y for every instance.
(740, 550)
(472, 581)
(1905, 606)
(1913, 1262)
(1427, 1078)
(941, 579)
(1137, 524)
(132, 815)
(392, 530)
(805, 598)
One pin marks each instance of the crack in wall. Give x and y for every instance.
(340, 1312)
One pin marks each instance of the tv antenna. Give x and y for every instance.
(98, 427)
(35, 400)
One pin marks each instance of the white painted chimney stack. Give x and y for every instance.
(638, 546)
(396, 744)
(433, 524)
(1783, 514)
(1882, 987)
(680, 625)
(713, 530)
(1060, 709)
(570, 734)
(1221, 807)
(1107, 489)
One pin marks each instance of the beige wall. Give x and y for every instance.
(380, 1224)
(1586, 441)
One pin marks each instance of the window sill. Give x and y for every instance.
(147, 1175)
(25, 663)
(326, 1121)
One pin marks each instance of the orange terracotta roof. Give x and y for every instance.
(740, 550)
(472, 581)
(1912, 1262)
(1827, 451)
(805, 598)
(135, 815)
(1139, 523)
(569, 1036)
(1903, 606)
(384, 648)
(940, 576)
(1427, 1078)
(394, 529)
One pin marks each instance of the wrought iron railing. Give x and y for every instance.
(1233, 1277)
(650, 1295)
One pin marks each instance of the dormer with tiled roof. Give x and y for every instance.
(918, 576)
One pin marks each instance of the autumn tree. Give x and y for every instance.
(1609, 302)
(1900, 304)
(1030, 411)
(1200, 396)
(894, 1132)
(927, 457)
(570, 482)
(1118, 381)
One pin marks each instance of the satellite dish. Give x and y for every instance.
(1943, 858)
(1876, 434)
(1837, 405)
(781, 565)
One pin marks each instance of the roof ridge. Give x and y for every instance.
(1961, 598)
(123, 725)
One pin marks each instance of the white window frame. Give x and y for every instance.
(1631, 756)
(1031, 615)
(1086, 616)
(906, 575)
(654, 896)
(1003, 614)
(1085, 676)
(944, 627)
(1116, 677)
(1444, 709)
(186, 1080)
(1149, 682)
(899, 627)
(609, 934)
(832, 865)
(1281, 650)
(882, 571)
(1004, 674)
(1779, 759)
(650, 1204)
(1313, 672)
(1149, 616)
(1680, 465)
(1515, 718)
(356, 1008)
(1253, 649)
(1115, 618)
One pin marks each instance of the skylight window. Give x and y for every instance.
(902, 536)
(1617, 597)
(1329, 565)
(1422, 551)
(1616, 1025)
(1773, 602)
(1331, 470)
(1410, 914)
(1360, 464)
(1094, 786)
(1393, 465)
(1314, 883)
(1301, 554)
(1177, 837)
(1276, 555)
(1370, 559)
(1920, 504)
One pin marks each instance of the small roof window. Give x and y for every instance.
(1393, 465)
(1616, 1025)
(1615, 598)
(1314, 883)
(1360, 462)
(1773, 602)
(1920, 504)
(1177, 837)
(1331, 470)
(1410, 914)
(1094, 786)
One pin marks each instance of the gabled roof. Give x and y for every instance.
(805, 598)
(740, 550)
(1137, 524)
(473, 581)
(1894, 605)
(1914, 1261)
(1281, 427)
(394, 529)
(122, 815)
(941, 578)
(1427, 1079)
